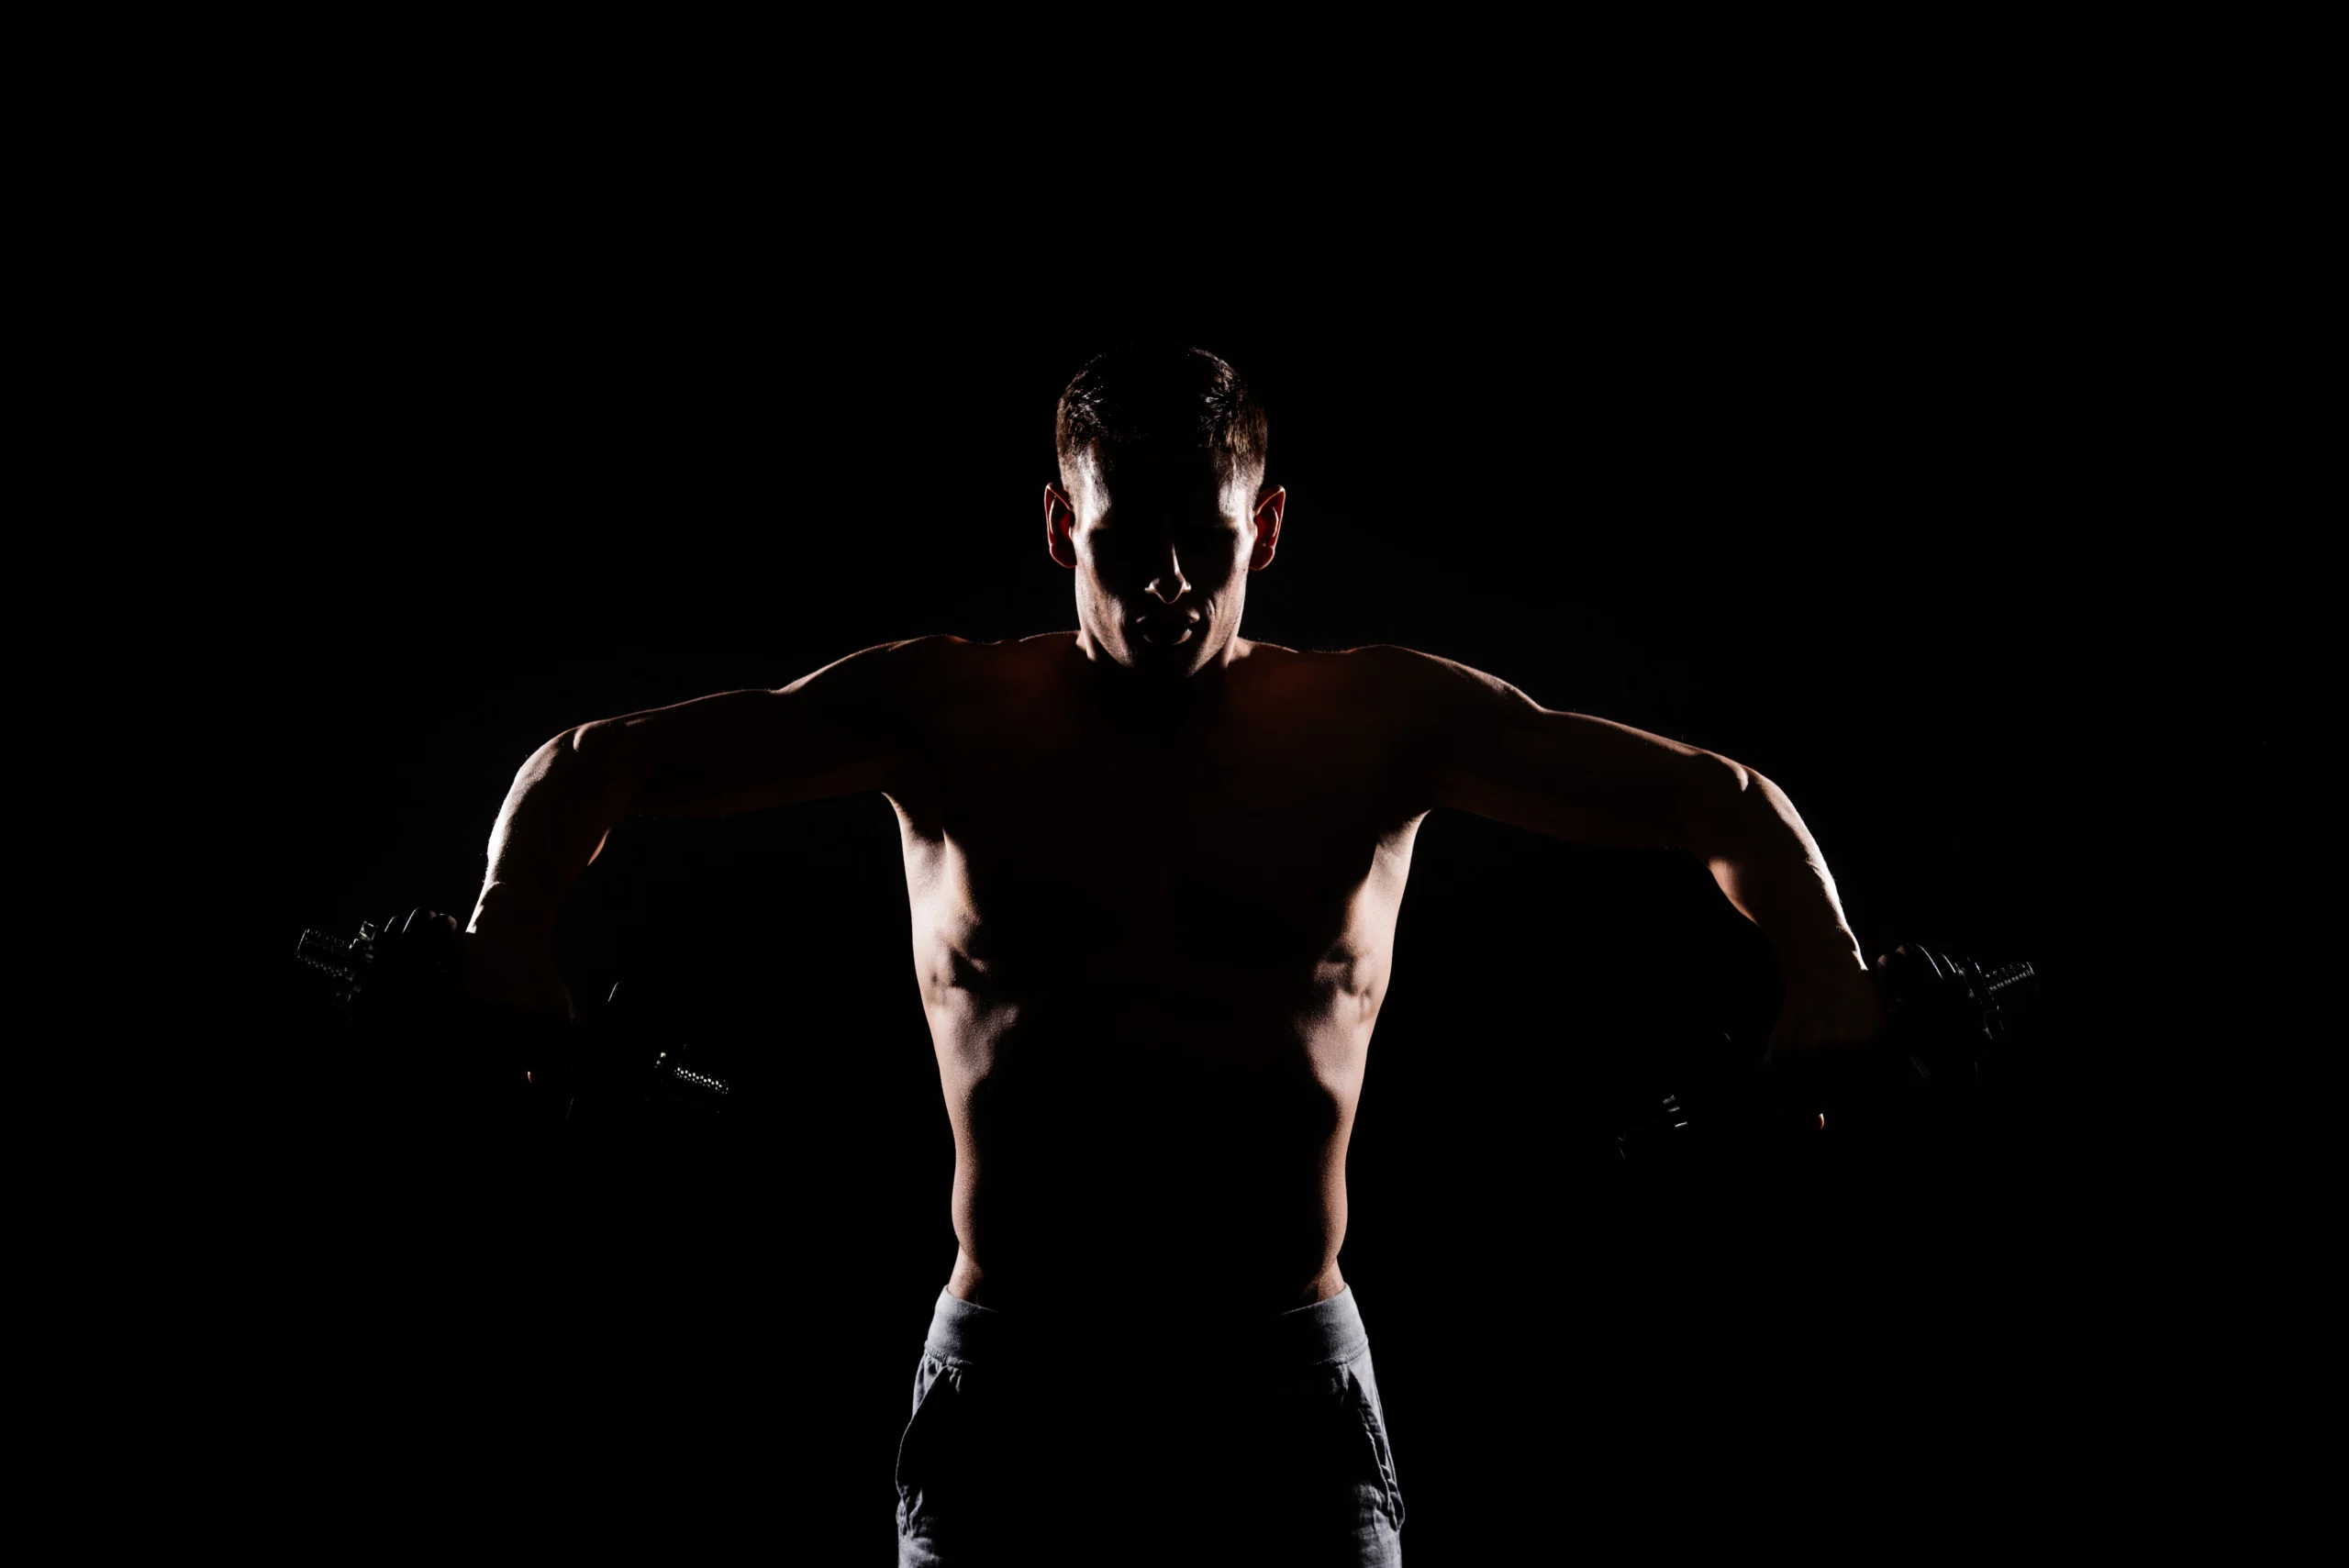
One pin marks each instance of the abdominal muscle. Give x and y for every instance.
(1196, 1156)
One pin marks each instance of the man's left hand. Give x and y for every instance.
(1831, 1045)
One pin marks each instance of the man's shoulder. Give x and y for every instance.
(1389, 670)
(945, 650)
(1417, 695)
(1382, 683)
(945, 667)
(1405, 671)
(1371, 659)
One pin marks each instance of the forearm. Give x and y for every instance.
(563, 803)
(1769, 866)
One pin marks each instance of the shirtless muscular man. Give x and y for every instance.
(1154, 869)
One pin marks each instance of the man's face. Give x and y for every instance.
(1162, 546)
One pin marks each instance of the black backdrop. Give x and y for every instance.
(1813, 499)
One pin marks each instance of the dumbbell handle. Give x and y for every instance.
(404, 975)
(1941, 1014)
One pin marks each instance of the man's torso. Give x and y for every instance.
(1152, 956)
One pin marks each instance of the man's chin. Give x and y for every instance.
(1163, 662)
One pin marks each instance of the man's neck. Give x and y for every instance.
(1128, 697)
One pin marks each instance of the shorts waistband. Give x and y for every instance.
(1326, 1331)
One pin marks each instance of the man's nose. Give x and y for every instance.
(1168, 585)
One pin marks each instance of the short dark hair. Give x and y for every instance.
(1161, 396)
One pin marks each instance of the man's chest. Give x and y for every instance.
(1038, 833)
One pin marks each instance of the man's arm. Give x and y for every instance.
(843, 730)
(1491, 750)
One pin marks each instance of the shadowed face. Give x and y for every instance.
(1161, 544)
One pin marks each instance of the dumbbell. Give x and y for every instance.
(600, 1076)
(1952, 1021)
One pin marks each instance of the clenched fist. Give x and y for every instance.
(1831, 1045)
(512, 972)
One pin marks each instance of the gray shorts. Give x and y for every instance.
(1110, 1439)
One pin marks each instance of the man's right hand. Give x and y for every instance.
(490, 1060)
(513, 972)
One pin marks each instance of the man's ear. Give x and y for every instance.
(1268, 528)
(1059, 516)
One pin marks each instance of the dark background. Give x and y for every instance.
(1807, 481)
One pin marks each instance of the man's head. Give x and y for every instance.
(1161, 510)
